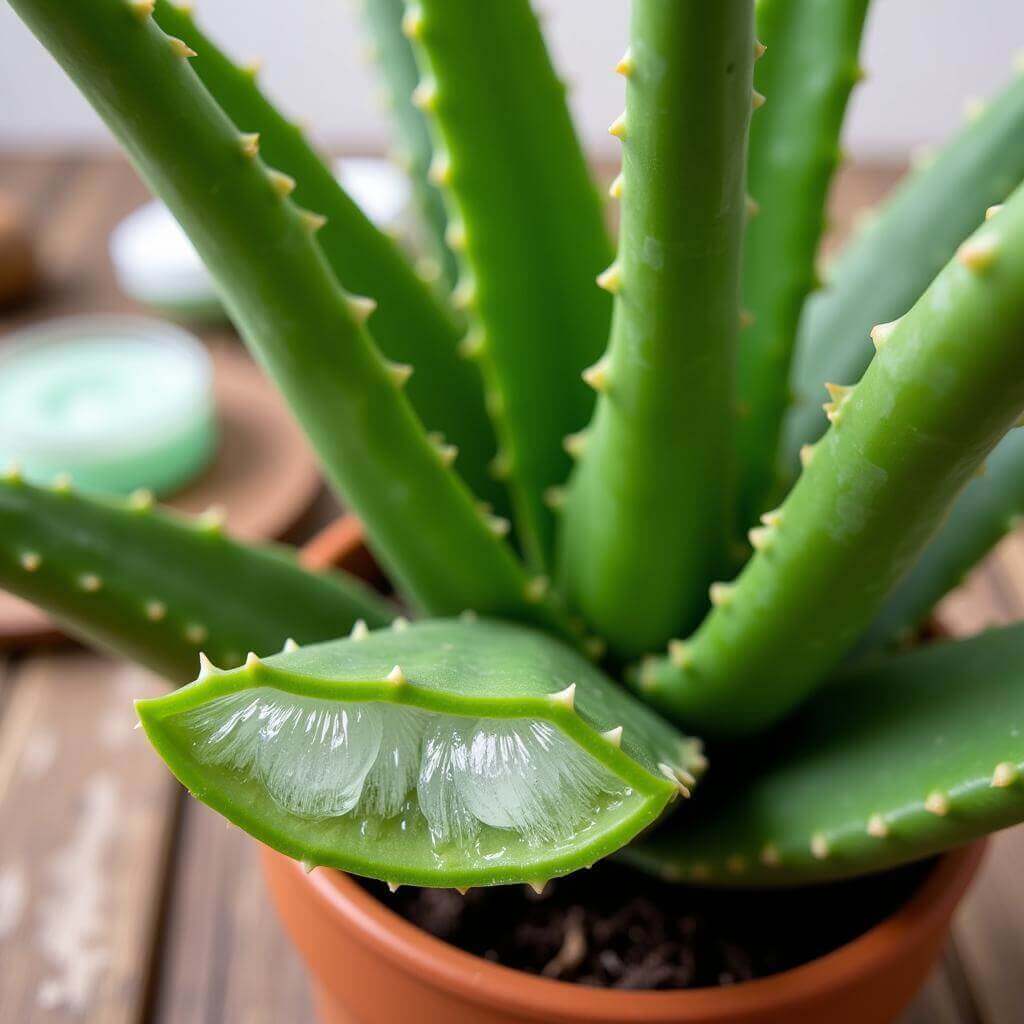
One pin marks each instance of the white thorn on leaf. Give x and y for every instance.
(398, 372)
(680, 653)
(252, 67)
(311, 221)
(536, 589)
(143, 8)
(473, 343)
(290, 646)
(772, 518)
(538, 887)
(613, 736)
(760, 537)
(757, 100)
(611, 279)
(672, 775)
(819, 846)
(992, 211)
(440, 172)
(424, 96)
(30, 561)
(252, 661)
(283, 184)
(554, 497)
(249, 143)
(399, 623)
(61, 483)
(564, 698)
(396, 677)
(721, 594)
(806, 454)
(1005, 775)
(412, 23)
(759, 49)
(393, 886)
(361, 308)
(937, 803)
(141, 500)
(456, 237)
(978, 254)
(156, 611)
(576, 444)
(12, 474)
(596, 376)
(206, 667)
(881, 333)
(498, 525)
(180, 48)
(626, 65)
(616, 188)
(90, 582)
(877, 826)
(618, 127)
(359, 630)
(212, 519)
(308, 866)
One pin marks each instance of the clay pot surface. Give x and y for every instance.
(370, 966)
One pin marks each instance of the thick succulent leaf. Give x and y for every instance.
(894, 761)
(439, 754)
(649, 513)
(158, 588)
(528, 227)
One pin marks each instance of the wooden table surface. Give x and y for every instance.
(121, 900)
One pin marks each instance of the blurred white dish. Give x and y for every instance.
(156, 264)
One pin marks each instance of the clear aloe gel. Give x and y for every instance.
(118, 403)
(443, 753)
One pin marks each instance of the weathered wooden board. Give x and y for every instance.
(84, 831)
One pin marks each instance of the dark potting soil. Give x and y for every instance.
(614, 928)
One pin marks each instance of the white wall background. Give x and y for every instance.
(925, 59)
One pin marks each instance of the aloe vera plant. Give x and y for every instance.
(547, 704)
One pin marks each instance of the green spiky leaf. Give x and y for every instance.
(893, 762)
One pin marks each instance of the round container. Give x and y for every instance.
(117, 402)
(370, 966)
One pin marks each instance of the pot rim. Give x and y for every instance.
(446, 967)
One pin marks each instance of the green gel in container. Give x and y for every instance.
(119, 403)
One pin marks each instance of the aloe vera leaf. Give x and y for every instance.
(441, 550)
(892, 762)
(945, 386)
(410, 324)
(810, 67)
(527, 225)
(455, 679)
(396, 60)
(649, 511)
(901, 247)
(158, 588)
(987, 510)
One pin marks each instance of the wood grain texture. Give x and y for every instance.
(225, 956)
(86, 822)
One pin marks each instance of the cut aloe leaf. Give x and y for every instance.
(437, 754)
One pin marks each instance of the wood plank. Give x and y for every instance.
(225, 955)
(85, 806)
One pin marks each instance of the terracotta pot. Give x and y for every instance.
(369, 966)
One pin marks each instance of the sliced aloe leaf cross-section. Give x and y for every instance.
(444, 753)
